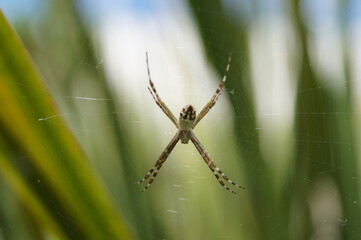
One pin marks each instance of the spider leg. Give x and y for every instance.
(215, 97)
(148, 173)
(218, 177)
(212, 165)
(158, 100)
(153, 176)
(225, 176)
(158, 164)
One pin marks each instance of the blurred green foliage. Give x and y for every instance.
(58, 194)
(56, 190)
(310, 157)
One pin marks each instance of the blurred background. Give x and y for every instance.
(287, 126)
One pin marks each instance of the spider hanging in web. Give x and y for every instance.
(187, 122)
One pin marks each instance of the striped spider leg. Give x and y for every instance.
(187, 121)
(157, 99)
(215, 97)
(212, 165)
(159, 163)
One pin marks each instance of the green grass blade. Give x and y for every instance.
(53, 155)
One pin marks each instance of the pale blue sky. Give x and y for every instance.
(31, 8)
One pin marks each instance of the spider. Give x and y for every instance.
(188, 120)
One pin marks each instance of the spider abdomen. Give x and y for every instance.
(187, 117)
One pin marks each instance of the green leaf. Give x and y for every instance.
(63, 194)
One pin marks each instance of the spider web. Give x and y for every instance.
(185, 201)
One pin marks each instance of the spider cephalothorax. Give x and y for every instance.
(187, 122)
